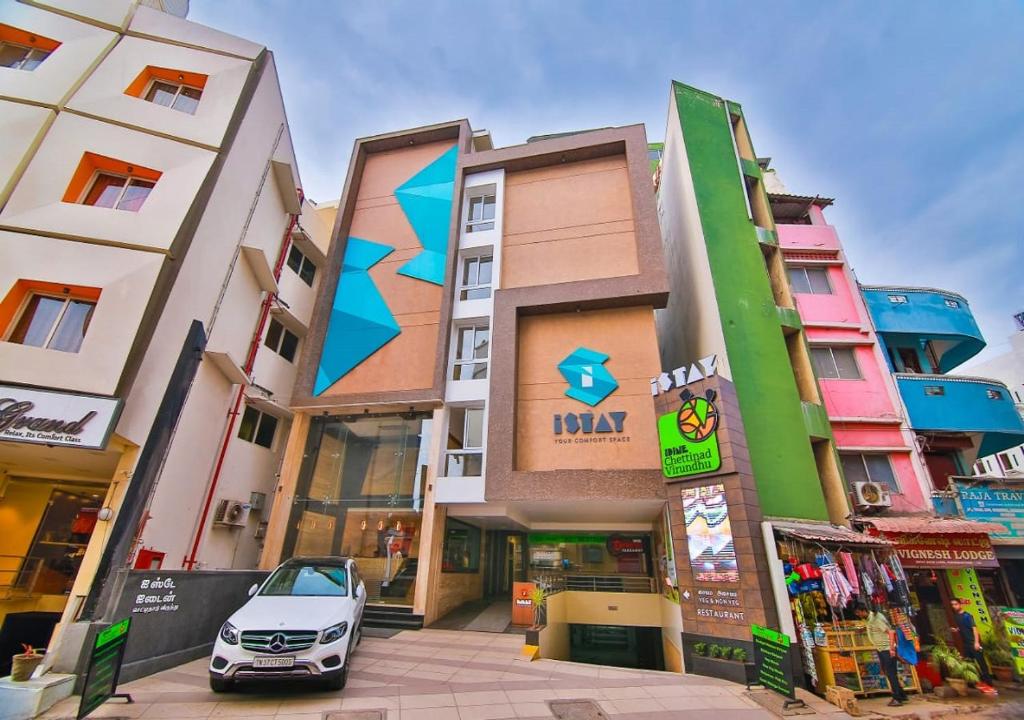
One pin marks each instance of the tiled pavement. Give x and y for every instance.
(439, 675)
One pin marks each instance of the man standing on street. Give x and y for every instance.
(971, 638)
(883, 637)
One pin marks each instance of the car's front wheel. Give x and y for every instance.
(219, 685)
(338, 680)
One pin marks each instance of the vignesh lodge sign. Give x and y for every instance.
(47, 417)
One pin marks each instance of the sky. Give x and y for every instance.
(910, 114)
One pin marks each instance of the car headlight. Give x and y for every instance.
(229, 634)
(333, 633)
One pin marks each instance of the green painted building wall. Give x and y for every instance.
(780, 449)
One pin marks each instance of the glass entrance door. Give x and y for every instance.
(506, 562)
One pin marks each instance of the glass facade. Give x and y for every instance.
(360, 495)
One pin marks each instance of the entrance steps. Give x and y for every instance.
(395, 617)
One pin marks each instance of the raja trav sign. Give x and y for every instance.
(47, 417)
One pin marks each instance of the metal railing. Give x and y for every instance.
(21, 579)
(610, 583)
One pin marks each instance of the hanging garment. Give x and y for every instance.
(849, 571)
(838, 591)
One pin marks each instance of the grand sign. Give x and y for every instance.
(933, 550)
(47, 417)
(989, 502)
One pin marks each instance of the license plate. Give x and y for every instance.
(273, 662)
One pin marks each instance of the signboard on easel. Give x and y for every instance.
(104, 668)
(771, 662)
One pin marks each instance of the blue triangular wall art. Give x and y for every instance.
(426, 200)
(361, 322)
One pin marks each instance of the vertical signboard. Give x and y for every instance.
(1013, 625)
(104, 668)
(771, 661)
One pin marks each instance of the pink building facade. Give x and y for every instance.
(871, 433)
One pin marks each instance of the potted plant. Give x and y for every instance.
(958, 671)
(999, 656)
(722, 661)
(700, 648)
(538, 597)
(24, 664)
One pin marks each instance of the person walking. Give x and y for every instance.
(883, 637)
(971, 638)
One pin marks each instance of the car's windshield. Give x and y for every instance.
(316, 580)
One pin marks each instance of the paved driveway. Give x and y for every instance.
(440, 675)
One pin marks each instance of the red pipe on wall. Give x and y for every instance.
(189, 562)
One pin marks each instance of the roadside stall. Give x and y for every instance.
(945, 559)
(829, 570)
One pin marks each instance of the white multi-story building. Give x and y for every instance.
(1009, 368)
(158, 267)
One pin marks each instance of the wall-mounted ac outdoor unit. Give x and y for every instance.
(871, 495)
(233, 513)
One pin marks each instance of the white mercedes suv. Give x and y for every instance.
(303, 622)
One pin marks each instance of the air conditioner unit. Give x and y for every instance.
(233, 513)
(871, 495)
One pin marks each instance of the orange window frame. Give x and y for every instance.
(16, 299)
(17, 36)
(92, 164)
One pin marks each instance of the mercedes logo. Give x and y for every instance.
(278, 642)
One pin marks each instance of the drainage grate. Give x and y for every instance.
(576, 710)
(356, 715)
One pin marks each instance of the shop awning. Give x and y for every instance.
(929, 525)
(824, 532)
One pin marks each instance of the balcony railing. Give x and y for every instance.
(927, 314)
(947, 403)
(610, 583)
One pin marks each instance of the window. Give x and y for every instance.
(952, 303)
(898, 299)
(461, 552)
(480, 213)
(910, 360)
(993, 394)
(1006, 463)
(476, 278)
(654, 154)
(810, 280)
(177, 97)
(54, 323)
(465, 453)
(979, 468)
(472, 347)
(301, 580)
(302, 265)
(861, 467)
(20, 57)
(934, 390)
(257, 427)
(118, 192)
(835, 363)
(282, 340)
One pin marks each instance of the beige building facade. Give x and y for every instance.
(158, 266)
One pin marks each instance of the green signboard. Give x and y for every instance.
(1013, 626)
(104, 668)
(688, 437)
(771, 661)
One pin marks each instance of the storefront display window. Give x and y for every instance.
(359, 495)
(573, 559)
(461, 547)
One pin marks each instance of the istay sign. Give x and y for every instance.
(926, 550)
(48, 417)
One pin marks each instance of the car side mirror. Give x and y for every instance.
(253, 589)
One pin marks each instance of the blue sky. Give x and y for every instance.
(910, 114)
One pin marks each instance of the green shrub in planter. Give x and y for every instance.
(700, 648)
(739, 654)
(715, 651)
